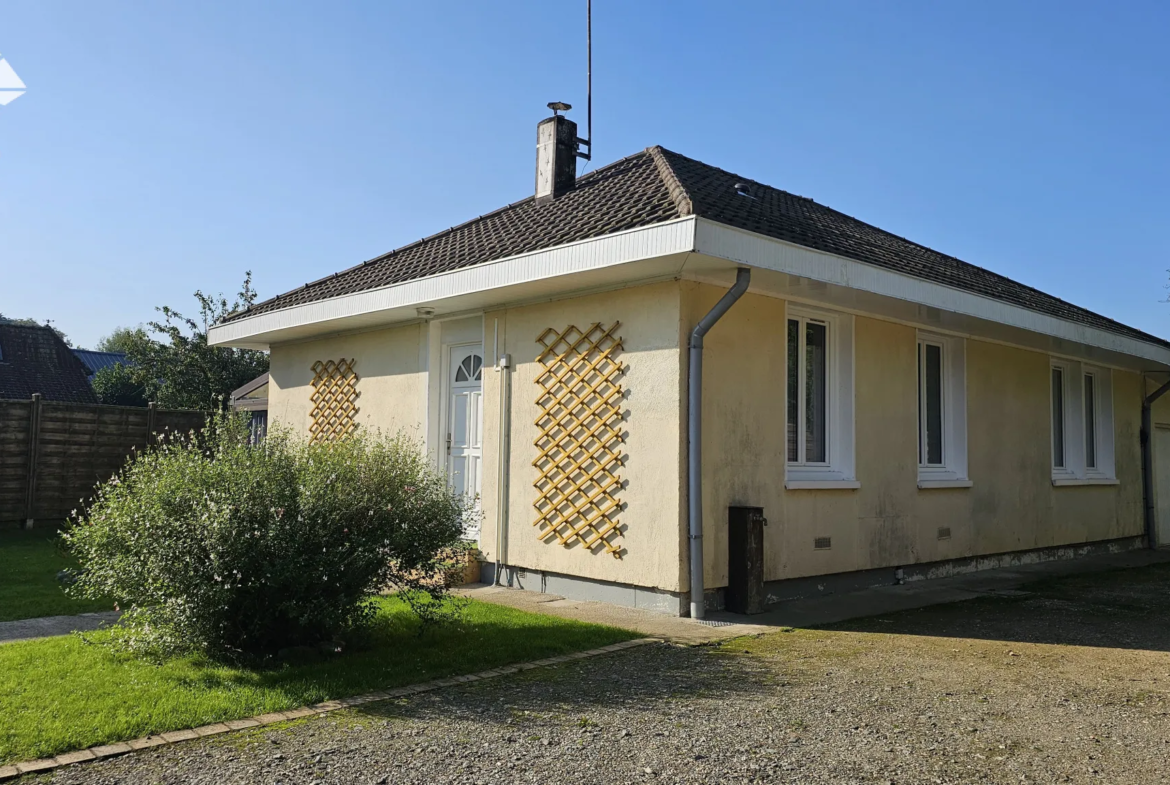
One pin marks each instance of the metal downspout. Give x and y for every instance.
(743, 277)
(505, 437)
(1147, 435)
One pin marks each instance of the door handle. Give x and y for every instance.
(448, 444)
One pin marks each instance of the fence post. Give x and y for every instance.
(34, 434)
(150, 409)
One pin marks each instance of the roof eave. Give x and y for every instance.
(632, 254)
(740, 246)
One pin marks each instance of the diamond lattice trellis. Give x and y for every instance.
(579, 447)
(334, 400)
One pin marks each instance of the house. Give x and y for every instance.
(253, 398)
(638, 368)
(35, 359)
(95, 361)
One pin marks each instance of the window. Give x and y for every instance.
(1090, 424)
(930, 404)
(1082, 424)
(1058, 418)
(942, 412)
(470, 370)
(819, 399)
(808, 398)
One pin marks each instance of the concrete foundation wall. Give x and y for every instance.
(889, 521)
(391, 383)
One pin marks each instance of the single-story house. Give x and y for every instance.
(95, 361)
(890, 412)
(35, 359)
(253, 398)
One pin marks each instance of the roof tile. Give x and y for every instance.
(658, 185)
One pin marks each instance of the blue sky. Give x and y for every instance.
(165, 147)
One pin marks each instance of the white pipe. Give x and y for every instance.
(504, 364)
(743, 277)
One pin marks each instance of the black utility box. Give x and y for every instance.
(745, 559)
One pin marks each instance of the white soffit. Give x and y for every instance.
(476, 286)
(743, 247)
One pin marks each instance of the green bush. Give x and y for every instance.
(115, 385)
(212, 546)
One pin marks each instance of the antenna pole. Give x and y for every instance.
(588, 82)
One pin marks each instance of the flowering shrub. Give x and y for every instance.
(214, 546)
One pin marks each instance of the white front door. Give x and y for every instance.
(1162, 484)
(465, 423)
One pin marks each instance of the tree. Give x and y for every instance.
(176, 367)
(123, 339)
(34, 323)
(117, 385)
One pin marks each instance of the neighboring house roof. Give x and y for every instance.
(36, 360)
(95, 361)
(252, 396)
(658, 185)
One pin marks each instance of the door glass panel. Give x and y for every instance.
(459, 478)
(459, 419)
(476, 409)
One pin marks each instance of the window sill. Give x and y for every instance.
(821, 485)
(924, 484)
(1062, 482)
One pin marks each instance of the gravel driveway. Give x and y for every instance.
(1066, 683)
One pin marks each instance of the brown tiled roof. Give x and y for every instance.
(623, 195)
(36, 360)
(658, 185)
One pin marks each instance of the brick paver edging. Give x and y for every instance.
(171, 737)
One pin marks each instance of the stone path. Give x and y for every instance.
(49, 626)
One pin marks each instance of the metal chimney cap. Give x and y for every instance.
(559, 106)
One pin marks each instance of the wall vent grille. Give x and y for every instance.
(823, 543)
(944, 532)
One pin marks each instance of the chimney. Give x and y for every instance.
(556, 155)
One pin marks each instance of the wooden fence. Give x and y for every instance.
(52, 454)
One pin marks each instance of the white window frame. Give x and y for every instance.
(838, 471)
(952, 472)
(1075, 470)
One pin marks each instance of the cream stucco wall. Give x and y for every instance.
(889, 521)
(392, 379)
(652, 541)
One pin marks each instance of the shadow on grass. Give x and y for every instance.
(399, 650)
(29, 563)
(60, 694)
(1124, 609)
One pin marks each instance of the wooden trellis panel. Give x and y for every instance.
(579, 450)
(334, 400)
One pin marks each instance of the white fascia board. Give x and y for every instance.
(744, 247)
(646, 242)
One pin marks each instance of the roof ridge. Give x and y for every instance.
(678, 192)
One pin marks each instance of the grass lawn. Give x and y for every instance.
(61, 694)
(29, 563)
